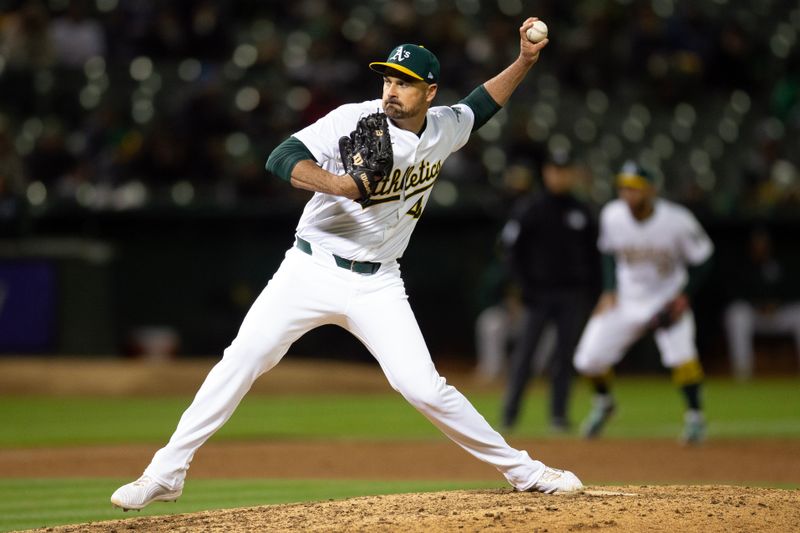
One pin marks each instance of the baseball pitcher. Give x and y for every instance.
(655, 254)
(371, 166)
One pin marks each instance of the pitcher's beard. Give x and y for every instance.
(395, 111)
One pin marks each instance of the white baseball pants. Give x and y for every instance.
(743, 321)
(308, 291)
(608, 336)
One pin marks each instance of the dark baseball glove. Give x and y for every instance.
(670, 313)
(367, 154)
(662, 319)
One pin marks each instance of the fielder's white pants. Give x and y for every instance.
(743, 321)
(609, 334)
(495, 328)
(308, 291)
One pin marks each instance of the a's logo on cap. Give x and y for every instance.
(399, 55)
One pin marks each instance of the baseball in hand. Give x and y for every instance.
(537, 32)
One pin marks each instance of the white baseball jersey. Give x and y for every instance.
(380, 232)
(652, 254)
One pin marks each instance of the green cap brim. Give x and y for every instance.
(380, 67)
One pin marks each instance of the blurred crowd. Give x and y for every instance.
(125, 104)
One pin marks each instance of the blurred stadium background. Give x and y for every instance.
(136, 215)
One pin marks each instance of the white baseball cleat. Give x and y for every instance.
(140, 493)
(602, 410)
(694, 428)
(555, 481)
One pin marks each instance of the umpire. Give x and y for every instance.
(551, 242)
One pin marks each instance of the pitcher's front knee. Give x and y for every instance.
(429, 397)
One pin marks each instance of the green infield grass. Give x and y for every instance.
(648, 407)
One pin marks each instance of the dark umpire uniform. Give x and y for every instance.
(551, 241)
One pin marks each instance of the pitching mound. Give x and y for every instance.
(626, 508)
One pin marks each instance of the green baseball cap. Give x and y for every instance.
(412, 60)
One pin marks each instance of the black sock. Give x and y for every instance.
(601, 385)
(692, 394)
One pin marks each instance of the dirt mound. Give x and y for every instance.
(623, 508)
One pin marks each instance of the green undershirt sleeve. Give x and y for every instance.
(697, 276)
(285, 156)
(609, 272)
(482, 104)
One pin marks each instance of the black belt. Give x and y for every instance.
(361, 267)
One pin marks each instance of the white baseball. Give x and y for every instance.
(537, 32)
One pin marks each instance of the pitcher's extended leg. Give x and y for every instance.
(275, 320)
(386, 325)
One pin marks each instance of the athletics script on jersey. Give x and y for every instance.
(413, 180)
(662, 259)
